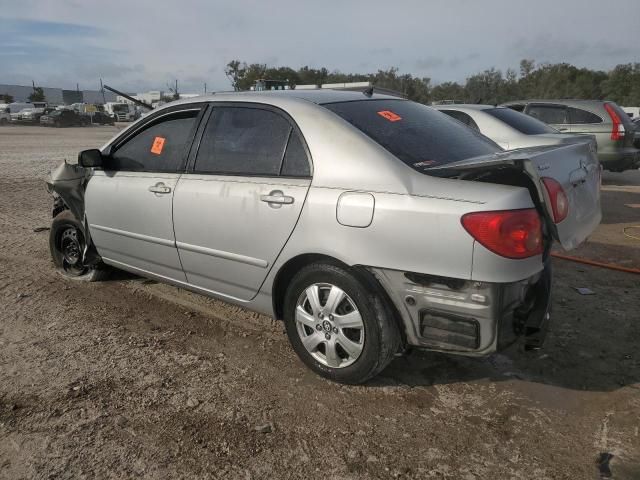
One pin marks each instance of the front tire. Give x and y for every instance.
(339, 325)
(66, 244)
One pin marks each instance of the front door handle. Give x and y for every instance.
(276, 199)
(159, 188)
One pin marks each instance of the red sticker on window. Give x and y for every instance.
(158, 145)
(389, 115)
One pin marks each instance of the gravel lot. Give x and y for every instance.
(132, 379)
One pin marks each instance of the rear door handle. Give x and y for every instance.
(276, 199)
(159, 188)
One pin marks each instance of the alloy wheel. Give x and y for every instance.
(329, 325)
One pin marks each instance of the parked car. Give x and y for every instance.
(101, 118)
(32, 115)
(5, 114)
(508, 128)
(611, 126)
(63, 118)
(636, 124)
(369, 224)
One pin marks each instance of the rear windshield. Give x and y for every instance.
(418, 135)
(521, 122)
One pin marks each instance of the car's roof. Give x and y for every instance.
(318, 96)
(463, 106)
(565, 101)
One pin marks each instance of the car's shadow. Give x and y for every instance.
(583, 367)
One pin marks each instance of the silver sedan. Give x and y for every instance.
(368, 224)
(508, 128)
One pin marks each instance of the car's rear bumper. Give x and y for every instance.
(467, 317)
(624, 159)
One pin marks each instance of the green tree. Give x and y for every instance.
(6, 98)
(37, 95)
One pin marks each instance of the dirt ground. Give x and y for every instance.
(132, 379)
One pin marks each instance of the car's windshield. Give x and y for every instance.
(55, 113)
(521, 122)
(418, 135)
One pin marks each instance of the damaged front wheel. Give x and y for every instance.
(67, 245)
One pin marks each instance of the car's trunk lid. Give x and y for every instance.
(574, 166)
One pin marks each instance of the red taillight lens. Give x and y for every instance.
(617, 131)
(557, 198)
(509, 233)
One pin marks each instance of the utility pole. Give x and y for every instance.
(104, 100)
(205, 88)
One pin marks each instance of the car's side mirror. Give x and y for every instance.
(90, 158)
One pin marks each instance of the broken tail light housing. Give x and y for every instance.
(557, 198)
(508, 233)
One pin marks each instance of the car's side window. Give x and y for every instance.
(160, 147)
(552, 114)
(579, 116)
(518, 107)
(243, 141)
(463, 117)
(296, 161)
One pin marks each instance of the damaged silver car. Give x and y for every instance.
(369, 224)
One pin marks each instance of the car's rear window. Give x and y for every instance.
(521, 122)
(418, 135)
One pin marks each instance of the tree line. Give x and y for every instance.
(492, 86)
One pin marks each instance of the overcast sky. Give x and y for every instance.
(139, 45)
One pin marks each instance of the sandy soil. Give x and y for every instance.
(132, 379)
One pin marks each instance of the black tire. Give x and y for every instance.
(66, 242)
(381, 335)
(3, 122)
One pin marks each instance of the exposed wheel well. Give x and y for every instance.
(291, 267)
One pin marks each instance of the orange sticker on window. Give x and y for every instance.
(389, 115)
(158, 145)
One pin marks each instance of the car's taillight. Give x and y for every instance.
(509, 233)
(557, 198)
(617, 130)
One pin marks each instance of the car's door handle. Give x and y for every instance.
(159, 188)
(277, 198)
(563, 129)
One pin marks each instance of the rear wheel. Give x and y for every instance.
(338, 325)
(3, 121)
(67, 243)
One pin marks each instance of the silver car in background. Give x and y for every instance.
(368, 223)
(508, 128)
(606, 121)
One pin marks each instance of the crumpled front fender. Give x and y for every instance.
(69, 182)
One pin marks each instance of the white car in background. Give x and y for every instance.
(5, 116)
(508, 128)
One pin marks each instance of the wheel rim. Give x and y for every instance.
(329, 325)
(70, 246)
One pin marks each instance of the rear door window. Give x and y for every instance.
(296, 161)
(160, 147)
(462, 117)
(244, 141)
(521, 122)
(416, 134)
(578, 116)
(552, 114)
